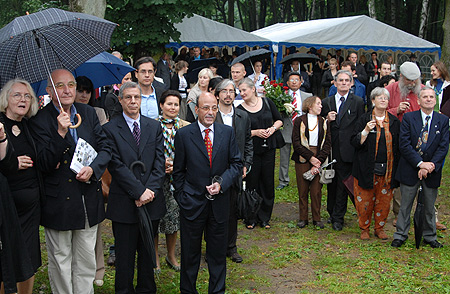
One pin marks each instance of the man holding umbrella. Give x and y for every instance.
(424, 139)
(73, 204)
(136, 141)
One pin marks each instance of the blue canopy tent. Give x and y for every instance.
(355, 32)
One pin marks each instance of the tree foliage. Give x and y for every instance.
(146, 25)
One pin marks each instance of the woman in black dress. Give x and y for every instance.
(265, 122)
(18, 103)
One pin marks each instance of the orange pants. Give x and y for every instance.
(376, 200)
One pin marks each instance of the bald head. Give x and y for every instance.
(206, 109)
(237, 72)
(65, 86)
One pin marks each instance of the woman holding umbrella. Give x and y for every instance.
(170, 223)
(376, 142)
(258, 77)
(18, 103)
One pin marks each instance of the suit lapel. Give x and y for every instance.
(346, 105)
(434, 127)
(197, 140)
(145, 134)
(218, 138)
(126, 134)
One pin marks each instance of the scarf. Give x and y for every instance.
(390, 154)
(169, 135)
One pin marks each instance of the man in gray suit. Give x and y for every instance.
(294, 82)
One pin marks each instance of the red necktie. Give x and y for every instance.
(208, 145)
(294, 103)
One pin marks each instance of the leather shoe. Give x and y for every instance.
(235, 257)
(381, 234)
(281, 186)
(397, 243)
(433, 244)
(111, 259)
(176, 268)
(337, 226)
(440, 227)
(301, 224)
(365, 235)
(319, 224)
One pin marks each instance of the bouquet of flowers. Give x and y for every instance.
(278, 93)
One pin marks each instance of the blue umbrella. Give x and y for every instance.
(102, 69)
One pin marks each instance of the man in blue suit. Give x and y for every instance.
(204, 150)
(424, 139)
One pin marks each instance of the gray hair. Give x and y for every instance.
(6, 90)
(424, 89)
(378, 91)
(129, 85)
(248, 82)
(222, 85)
(343, 72)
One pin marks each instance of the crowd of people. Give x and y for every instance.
(173, 158)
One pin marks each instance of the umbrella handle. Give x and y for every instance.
(78, 123)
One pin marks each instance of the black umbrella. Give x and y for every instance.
(302, 57)
(248, 58)
(145, 222)
(419, 218)
(33, 45)
(197, 65)
(248, 203)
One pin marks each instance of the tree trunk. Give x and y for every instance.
(92, 7)
(446, 27)
(313, 9)
(231, 13)
(393, 12)
(262, 13)
(337, 8)
(274, 6)
(423, 18)
(371, 7)
(243, 24)
(252, 15)
(288, 11)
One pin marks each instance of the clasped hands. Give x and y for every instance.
(265, 133)
(425, 169)
(146, 197)
(316, 165)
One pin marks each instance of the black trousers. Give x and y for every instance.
(191, 233)
(232, 221)
(337, 194)
(261, 179)
(128, 241)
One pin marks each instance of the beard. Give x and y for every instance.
(405, 89)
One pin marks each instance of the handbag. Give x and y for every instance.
(380, 168)
(327, 175)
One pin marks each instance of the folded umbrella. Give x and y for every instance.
(248, 203)
(419, 218)
(145, 222)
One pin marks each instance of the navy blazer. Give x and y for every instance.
(125, 186)
(192, 173)
(63, 207)
(436, 149)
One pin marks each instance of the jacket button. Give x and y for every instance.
(65, 161)
(70, 180)
(68, 198)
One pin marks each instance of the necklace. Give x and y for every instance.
(317, 123)
(253, 104)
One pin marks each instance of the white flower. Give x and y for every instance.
(289, 108)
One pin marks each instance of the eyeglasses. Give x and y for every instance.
(131, 97)
(227, 91)
(294, 80)
(382, 98)
(61, 85)
(18, 96)
(214, 108)
(143, 71)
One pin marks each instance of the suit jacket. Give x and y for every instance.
(341, 131)
(362, 74)
(435, 151)
(163, 71)
(63, 207)
(192, 173)
(286, 131)
(125, 186)
(243, 131)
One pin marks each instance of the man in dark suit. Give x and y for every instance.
(361, 73)
(240, 122)
(294, 82)
(342, 110)
(204, 150)
(134, 138)
(424, 139)
(163, 69)
(150, 88)
(73, 204)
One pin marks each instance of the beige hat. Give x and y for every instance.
(410, 70)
